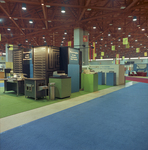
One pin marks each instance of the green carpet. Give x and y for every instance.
(11, 104)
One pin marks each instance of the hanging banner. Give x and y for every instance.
(89, 50)
(145, 53)
(117, 59)
(69, 43)
(11, 47)
(101, 57)
(128, 45)
(123, 57)
(137, 50)
(85, 38)
(102, 53)
(113, 47)
(125, 41)
(94, 50)
(95, 54)
(0, 37)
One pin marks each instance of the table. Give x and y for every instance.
(14, 85)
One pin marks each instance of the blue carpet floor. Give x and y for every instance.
(116, 121)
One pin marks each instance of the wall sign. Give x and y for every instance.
(73, 56)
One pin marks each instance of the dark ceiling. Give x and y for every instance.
(49, 22)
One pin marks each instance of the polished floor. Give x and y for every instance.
(16, 120)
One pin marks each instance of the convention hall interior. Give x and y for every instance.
(73, 74)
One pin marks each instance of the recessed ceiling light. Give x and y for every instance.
(101, 38)
(89, 9)
(131, 46)
(138, 25)
(109, 34)
(26, 40)
(123, 33)
(105, 45)
(1, 20)
(119, 39)
(42, 4)
(48, 6)
(94, 27)
(130, 16)
(15, 18)
(143, 29)
(136, 40)
(49, 20)
(144, 46)
(43, 28)
(140, 44)
(122, 7)
(110, 24)
(1, 1)
(96, 42)
(119, 46)
(23, 29)
(8, 29)
(129, 35)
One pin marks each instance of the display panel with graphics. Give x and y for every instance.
(73, 56)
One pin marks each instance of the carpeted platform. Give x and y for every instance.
(116, 121)
(11, 104)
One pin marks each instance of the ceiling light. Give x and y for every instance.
(48, 6)
(131, 46)
(129, 35)
(42, 4)
(43, 37)
(31, 21)
(8, 29)
(1, 1)
(140, 44)
(43, 28)
(109, 34)
(105, 45)
(119, 39)
(65, 32)
(136, 40)
(101, 38)
(49, 20)
(123, 33)
(63, 10)
(110, 24)
(122, 7)
(96, 42)
(119, 46)
(142, 29)
(134, 18)
(9, 17)
(89, 9)
(111, 42)
(44, 41)
(138, 25)
(94, 27)
(119, 28)
(1, 20)
(24, 6)
(62, 41)
(63, 37)
(23, 29)
(26, 40)
(15, 18)
(144, 46)
(130, 16)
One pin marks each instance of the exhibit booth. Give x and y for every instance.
(117, 69)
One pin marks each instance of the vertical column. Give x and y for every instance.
(78, 43)
(9, 54)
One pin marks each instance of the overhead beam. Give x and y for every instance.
(44, 13)
(87, 3)
(132, 4)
